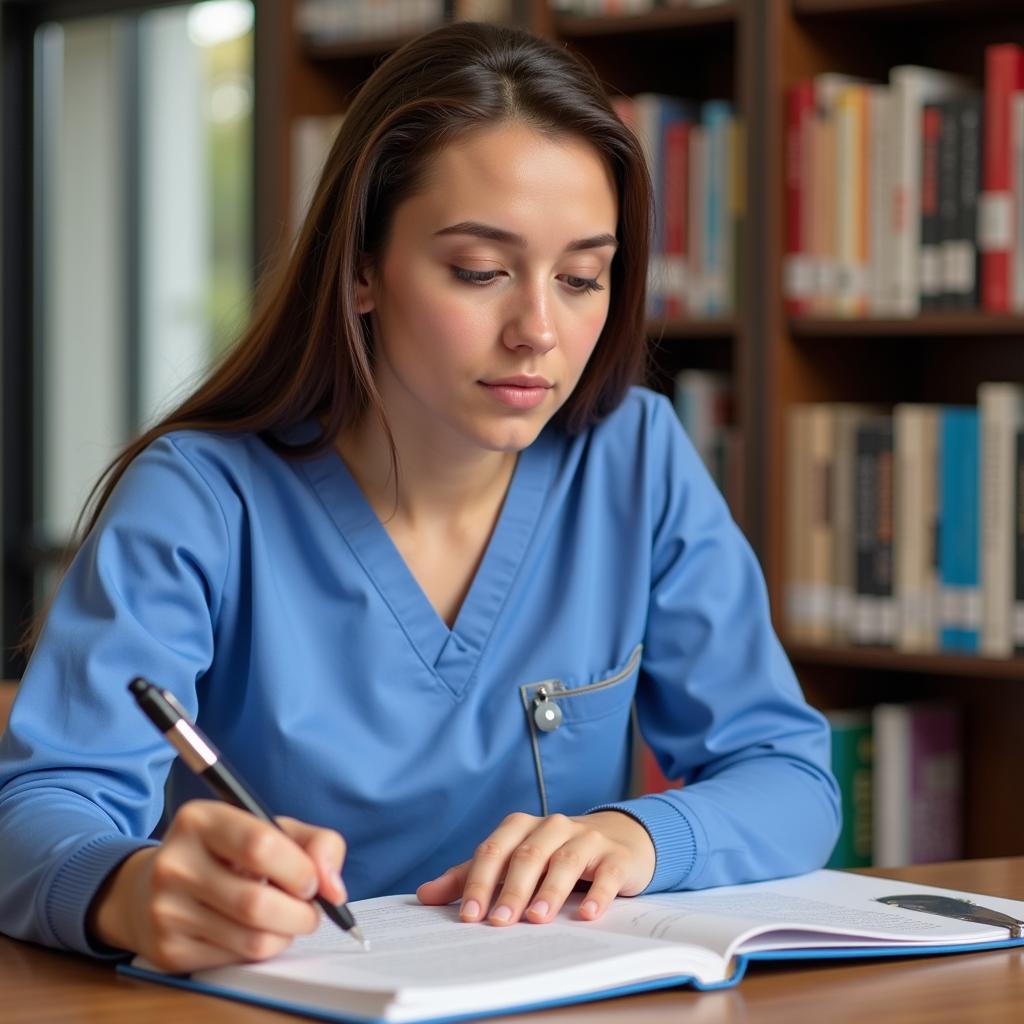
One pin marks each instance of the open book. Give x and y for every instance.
(425, 964)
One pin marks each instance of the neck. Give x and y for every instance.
(432, 484)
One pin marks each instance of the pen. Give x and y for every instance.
(164, 711)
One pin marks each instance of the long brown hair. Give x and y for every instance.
(307, 352)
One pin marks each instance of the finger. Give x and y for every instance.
(446, 888)
(528, 864)
(327, 850)
(182, 954)
(251, 904)
(176, 922)
(608, 880)
(566, 866)
(237, 837)
(489, 863)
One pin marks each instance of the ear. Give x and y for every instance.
(364, 286)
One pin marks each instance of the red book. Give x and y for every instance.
(798, 267)
(677, 208)
(1004, 75)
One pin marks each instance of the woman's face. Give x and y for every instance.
(492, 289)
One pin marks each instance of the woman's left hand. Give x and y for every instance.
(533, 864)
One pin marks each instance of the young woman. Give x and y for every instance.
(411, 556)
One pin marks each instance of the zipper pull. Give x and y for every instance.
(546, 713)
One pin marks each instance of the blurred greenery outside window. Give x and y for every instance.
(143, 225)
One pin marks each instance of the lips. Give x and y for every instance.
(519, 382)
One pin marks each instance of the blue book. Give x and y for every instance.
(959, 540)
(424, 965)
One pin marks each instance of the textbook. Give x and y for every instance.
(426, 965)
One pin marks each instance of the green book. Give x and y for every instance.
(852, 767)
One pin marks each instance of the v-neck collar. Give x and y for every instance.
(452, 654)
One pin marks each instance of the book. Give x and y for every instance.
(960, 600)
(915, 567)
(426, 965)
(1001, 409)
(918, 780)
(853, 767)
(1004, 75)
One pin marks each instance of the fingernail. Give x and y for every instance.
(502, 914)
(471, 910)
(339, 886)
(590, 907)
(310, 889)
(540, 908)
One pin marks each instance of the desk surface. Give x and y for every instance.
(39, 986)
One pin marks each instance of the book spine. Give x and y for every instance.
(677, 147)
(965, 258)
(936, 775)
(891, 785)
(852, 767)
(1001, 408)
(878, 196)
(960, 608)
(798, 496)
(820, 537)
(930, 252)
(1018, 547)
(914, 578)
(949, 201)
(1017, 122)
(1004, 74)
(874, 615)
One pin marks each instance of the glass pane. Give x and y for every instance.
(143, 228)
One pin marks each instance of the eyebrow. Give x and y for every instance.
(494, 234)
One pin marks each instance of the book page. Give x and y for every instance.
(415, 946)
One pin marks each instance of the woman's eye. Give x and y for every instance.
(474, 276)
(583, 284)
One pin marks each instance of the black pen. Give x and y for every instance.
(164, 711)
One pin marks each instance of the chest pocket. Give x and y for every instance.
(580, 737)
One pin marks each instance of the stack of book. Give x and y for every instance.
(906, 527)
(615, 8)
(906, 196)
(695, 154)
(900, 774)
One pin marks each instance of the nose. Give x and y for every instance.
(529, 323)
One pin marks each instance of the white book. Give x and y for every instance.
(1001, 409)
(425, 964)
(915, 569)
(911, 87)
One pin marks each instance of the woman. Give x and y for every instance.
(411, 556)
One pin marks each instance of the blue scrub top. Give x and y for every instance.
(266, 594)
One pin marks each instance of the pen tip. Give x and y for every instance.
(360, 938)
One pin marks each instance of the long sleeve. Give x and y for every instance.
(719, 703)
(81, 770)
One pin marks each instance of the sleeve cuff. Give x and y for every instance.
(75, 885)
(671, 831)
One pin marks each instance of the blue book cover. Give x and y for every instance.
(959, 541)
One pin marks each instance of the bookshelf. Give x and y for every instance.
(751, 51)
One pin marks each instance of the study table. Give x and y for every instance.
(39, 986)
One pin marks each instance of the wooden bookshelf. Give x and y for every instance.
(751, 51)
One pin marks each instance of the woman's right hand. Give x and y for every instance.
(222, 887)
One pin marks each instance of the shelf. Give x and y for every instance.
(575, 26)
(972, 666)
(898, 8)
(945, 324)
(373, 46)
(696, 328)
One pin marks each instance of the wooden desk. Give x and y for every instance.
(39, 986)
